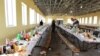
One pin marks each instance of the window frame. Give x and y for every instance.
(10, 13)
(95, 22)
(32, 16)
(90, 20)
(86, 20)
(24, 13)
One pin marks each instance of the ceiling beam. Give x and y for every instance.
(54, 6)
(57, 8)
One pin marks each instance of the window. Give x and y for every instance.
(32, 16)
(86, 20)
(10, 13)
(78, 19)
(99, 21)
(24, 14)
(49, 20)
(90, 20)
(82, 20)
(95, 20)
(60, 19)
(35, 17)
(69, 21)
(38, 18)
(43, 19)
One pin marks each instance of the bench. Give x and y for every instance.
(75, 51)
(45, 46)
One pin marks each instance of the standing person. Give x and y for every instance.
(41, 23)
(75, 26)
(75, 22)
(53, 26)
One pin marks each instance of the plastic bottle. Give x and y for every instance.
(18, 36)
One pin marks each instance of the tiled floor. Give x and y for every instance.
(59, 49)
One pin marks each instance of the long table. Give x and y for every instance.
(36, 39)
(78, 39)
(29, 45)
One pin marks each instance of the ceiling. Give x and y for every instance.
(67, 7)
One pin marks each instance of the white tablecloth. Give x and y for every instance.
(80, 36)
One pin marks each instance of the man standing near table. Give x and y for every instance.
(53, 26)
(75, 22)
(41, 23)
(75, 26)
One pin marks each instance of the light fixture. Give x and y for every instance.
(71, 11)
(81, 6)
(48, 10)
(66, 5)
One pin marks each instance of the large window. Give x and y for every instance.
(38, 18)
(69, 21)
(78, 19)
(95, 20)
(90, 20)
(49, 20)
(43, 19)
(82, 20)
(32, 16)
(10, 13)
(24, 14)
(99, 21)
(86, 20)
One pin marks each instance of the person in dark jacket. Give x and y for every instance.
(59, 22)
(41, 23)
(53, 26)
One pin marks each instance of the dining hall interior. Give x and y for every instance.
(49, 27)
